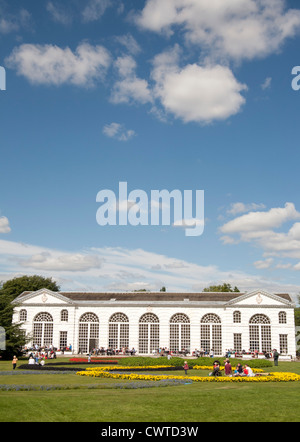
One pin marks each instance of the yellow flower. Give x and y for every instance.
(106, 373)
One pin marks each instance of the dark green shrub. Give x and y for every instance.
(178, 362)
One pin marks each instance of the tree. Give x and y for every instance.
(297, 316)
(15, 338)
(221, 288)
(163, 289)
(14, 287)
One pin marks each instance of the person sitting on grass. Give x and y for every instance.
(31, 360)
(238, 370)
(216, 370)
(248, 371)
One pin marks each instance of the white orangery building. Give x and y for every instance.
(147, 321)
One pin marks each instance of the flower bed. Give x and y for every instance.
(108, 372)
(160, 367)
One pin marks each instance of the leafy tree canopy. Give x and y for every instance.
(221, 288)
(297, 317)
(9, 290)
(14, 287)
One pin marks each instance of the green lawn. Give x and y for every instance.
(196, 402)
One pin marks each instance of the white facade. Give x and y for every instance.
(146, 321)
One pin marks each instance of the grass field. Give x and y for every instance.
(104, 400)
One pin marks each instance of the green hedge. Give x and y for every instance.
(138, 361)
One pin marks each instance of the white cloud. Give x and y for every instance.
(13, 22)
(236, 208)
(255, 222)
(4, 225)
(129, 42)
(76, 262)
(49, 64)
(58, 14)
(95, 9)
(126, 66)
(228, 240)
(176, 265)
(192, 222)
(267, 83)
(297, 266)
(116, 268)
(196, 93)
(283, 266)
(19, 256)
(129, 88)
(264, 264)
(239, 29)
(118, 132)
(257, 228)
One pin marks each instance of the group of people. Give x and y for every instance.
(40, 357)
(254, 353)
(201, 353)
(110, 351)
(240, 370)
(165, 351)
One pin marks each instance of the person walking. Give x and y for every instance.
(185, 367)
(14, 362)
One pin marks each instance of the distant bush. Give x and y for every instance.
(143, 361)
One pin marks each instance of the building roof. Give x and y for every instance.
(155, 296)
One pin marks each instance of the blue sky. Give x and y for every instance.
(181, 94)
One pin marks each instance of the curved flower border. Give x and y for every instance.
(106, 372)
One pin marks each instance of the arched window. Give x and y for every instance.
(237, 317)
(43, 330)
(282, 317)
(118, 337)
(88, 332)
(180, 333)
(211, 333)
(211, 318)
(23, 315)
(64, 315)
(260, 319)
(148, 333)
(260, 333)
